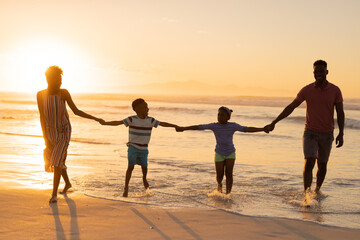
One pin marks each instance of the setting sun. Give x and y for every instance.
(30, 60)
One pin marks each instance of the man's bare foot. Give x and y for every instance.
(317, 190)
(126, 190)
(53, 199)
(67, 186)
(219, 188)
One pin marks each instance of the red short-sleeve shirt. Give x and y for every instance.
(320, 105)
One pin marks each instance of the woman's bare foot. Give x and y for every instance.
(53, 199)
(67, 186)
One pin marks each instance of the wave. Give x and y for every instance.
(297, 119)
(89, 141)
(22, 135)
(352, 123)
(349, 122)
(24, 102)
(80, 140)
(177, 109)
(349, 104)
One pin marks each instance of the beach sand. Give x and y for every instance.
(26, 214)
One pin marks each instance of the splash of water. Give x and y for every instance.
(147, 193)
(219, 196)
(310, 199)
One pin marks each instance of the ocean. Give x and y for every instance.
(267, 172)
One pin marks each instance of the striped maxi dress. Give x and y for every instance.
(58, 131)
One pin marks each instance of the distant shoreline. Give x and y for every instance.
(265, 101)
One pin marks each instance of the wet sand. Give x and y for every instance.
(26, 214)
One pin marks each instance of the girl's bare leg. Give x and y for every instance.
(229, 166)
(219, 166)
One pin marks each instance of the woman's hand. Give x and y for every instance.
(48, 143)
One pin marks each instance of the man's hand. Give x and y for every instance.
(339, 140)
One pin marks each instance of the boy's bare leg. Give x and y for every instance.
(219, 166)
(67, 181)
(308, 174)
(144, 171)
(229, 166)
(127, 180)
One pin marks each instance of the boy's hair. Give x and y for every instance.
(227, 110)
(53, 71)
(137, 102)
(320, 63)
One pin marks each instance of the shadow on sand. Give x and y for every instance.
(74, 228)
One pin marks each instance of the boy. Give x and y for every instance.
(140, 126)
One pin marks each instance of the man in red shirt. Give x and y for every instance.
(321, 97)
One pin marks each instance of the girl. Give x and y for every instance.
(225, 150)
(56, 127)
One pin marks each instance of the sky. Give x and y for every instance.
(244, 48)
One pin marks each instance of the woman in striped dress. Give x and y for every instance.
(56, 127)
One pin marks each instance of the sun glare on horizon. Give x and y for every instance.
(30, 61)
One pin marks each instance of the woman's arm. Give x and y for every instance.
(73, 107)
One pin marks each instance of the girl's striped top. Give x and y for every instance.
(140, 130)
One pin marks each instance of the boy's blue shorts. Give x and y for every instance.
(137, 156)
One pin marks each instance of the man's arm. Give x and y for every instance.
(73, 107)
(341, 122)
(286, 112)
(165, 124)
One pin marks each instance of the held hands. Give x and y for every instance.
(265, 129)
(270, 127)
(179, 129)
(100, 120)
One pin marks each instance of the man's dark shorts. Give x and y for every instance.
(317, 145)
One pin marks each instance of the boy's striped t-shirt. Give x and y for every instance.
(140, 130)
